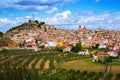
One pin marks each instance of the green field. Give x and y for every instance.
(88, 65)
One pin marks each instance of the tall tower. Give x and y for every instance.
(33, 16)
(80, 28)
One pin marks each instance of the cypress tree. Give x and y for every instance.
(78, 47)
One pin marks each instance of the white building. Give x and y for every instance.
(86, 52)
(113, 53)
(95, 58)
(51, 43)
(102, 46)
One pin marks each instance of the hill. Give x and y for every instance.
(26, 26)
(5, 41)
(37, 30)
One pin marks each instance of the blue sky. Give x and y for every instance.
(66, 14)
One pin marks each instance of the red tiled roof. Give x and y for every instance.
(115, 51)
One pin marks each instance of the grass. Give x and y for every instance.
(87, 65)
(89, 60)
(81, 65)
(115, 63)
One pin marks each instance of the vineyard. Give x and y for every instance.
(29, 65)
(38, 60)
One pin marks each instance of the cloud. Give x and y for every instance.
(6, 24)
(36, 2)
(31, 4)
(63, 15)
(59, 17)
(106, 20)
(41, 8)
(67, 20)
(52, 10)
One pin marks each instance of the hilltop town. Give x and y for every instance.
(48, 35)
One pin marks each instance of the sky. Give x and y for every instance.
(66, 14)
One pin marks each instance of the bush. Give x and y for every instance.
(84, 73)
(100, 74)
(119, 53)
(60, 49)
(108, 59)
(5, 51)
(67, 52)
(109, 76)
(91, 74)
(117, 77)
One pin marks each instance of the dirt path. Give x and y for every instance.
(46, 66)
(37, 66)
(30, 65)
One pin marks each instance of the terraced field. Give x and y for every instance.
(39, 61)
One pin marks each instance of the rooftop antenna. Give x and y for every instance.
(33, 16)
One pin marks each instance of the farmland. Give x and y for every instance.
(39, 60)
(83, 65)
(30, 65)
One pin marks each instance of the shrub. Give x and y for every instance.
(5, 51)
(60, 49)
(109, 76)
(117, 77)
(84, 73)
(91, 74)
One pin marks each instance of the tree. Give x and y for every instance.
(29, 20)
(1, 34)
(36, 21)
(41, 23)
(77, 47)
(97, 46)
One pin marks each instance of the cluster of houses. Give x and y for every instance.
(52, 37)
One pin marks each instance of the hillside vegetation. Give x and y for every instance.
(28, 25)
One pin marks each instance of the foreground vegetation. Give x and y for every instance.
(56, 74)
(30, 65)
